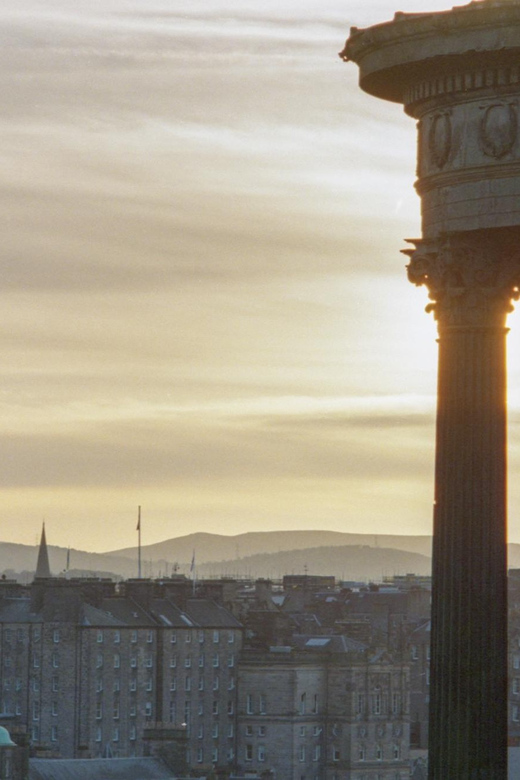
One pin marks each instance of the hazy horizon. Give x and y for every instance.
(204, 308)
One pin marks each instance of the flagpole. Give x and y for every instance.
(193, 572)
(139, 542)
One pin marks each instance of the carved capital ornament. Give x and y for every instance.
(471, 281)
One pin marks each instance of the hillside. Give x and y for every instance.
(216, 547)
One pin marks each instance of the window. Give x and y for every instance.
(133, 685)
(99, 710)
(36, 686)
(216, 660)
(262, 704)
(516, 713)
(115, 734)
(133, 637)
(397, 751)
(216, 637)
(148, 662)
(214, 731)
(415, 653)
(36, 710)
(117, 661)
(201, 637)
(231, 684)
(249, 731)
(316, 755)
(302, 731)
(55, 660)
(249, 752)
(98, 734)
(187, 684)
(230, 754)
(303, 703)
(379, 752)
(201, 731)
(172, 711)
(100, 636)
(215, 683)
(317, 731)
(201, 660)
(516, 685)
(173, 684)
(315, 704)
(214, 708)
(231, 660)
(396, 703)
(54, 708)
(187, 661)
(231, 638)
(133, 662)
(230, 707)
(200, 755)
(361, 753)
(132, 710)
(173, 661)
(132, 734)
(249, 704)
(117, 637)
(56, 636)
(35, 733)
(36, 662)
(214, 755)
(376, 706)
(302, 753)
(117, 686)
(148, 709)
(149, 684)
(149, 637)
(231, 731)
(187, 637)
(173, 637)
(201, 683)
(201, 708)
(37, 634)
(99, 660)
(116, 710)
(261, 753)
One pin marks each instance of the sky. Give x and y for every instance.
(203, 308)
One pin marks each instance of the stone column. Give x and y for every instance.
(472, 279)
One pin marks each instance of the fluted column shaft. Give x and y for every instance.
(472, 280)
(468, 700)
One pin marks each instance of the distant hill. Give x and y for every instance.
(349, 562)
(22, 558)
(261, 554)
(216, 547)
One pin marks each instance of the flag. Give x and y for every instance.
(138, 520)
(192, 562)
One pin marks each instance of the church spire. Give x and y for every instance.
(43, 569)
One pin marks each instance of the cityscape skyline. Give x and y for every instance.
(204, 309)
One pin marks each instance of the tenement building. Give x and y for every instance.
(88, 666)
(324, 708)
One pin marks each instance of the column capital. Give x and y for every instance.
(472, 278)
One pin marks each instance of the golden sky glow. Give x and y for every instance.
(203, 306)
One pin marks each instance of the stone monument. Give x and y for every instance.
(458, 74)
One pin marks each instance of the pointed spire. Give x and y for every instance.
(43, 570)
